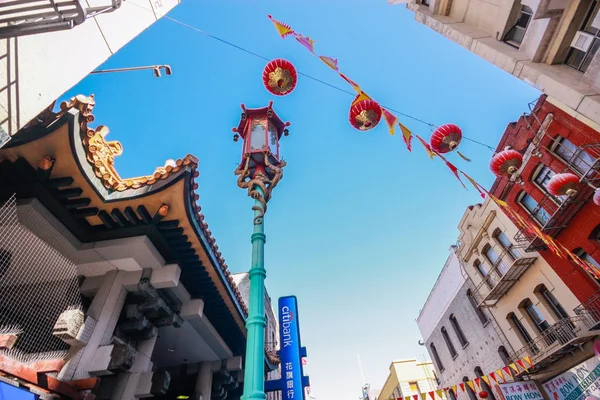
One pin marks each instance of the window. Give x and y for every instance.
(425, 2)
(537, 212)
(451, 348)
(504, 355)
(576, 156)
(555, 306)
(515, 35)
(459, 333)
(485, 273)
(436, 357)
(542, 178)
(495, 260)
(480, 314)
(519, 327)
(506, 244)
(578, 59)
(536, 316)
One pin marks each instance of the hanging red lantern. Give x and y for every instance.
(365, 114)
(506, 163)
(445, 138)
(483, 394)
(280, 77)
(563, 184)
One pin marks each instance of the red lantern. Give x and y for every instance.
(280, 77)
(506, 163)
(561, 184)
(365, 114)
(483, 394)
(445, 138)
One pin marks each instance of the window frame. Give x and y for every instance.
(557, 142)
(462, 339)
(478, 311)
(508, 38)
(449, 344)
(520, 198)
(436, 356)
(511, 249)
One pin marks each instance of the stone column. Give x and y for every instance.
(204, 381)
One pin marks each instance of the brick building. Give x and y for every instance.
(552, 141)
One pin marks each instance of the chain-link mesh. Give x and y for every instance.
(37, 285)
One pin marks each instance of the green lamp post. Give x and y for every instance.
(260, 170)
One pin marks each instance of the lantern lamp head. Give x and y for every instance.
(261, 130)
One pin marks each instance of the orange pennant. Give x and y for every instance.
(470, 383)
(407, 136)
(515, 368)
(331, 62)
(351, 82)
(476, 185)
(283, 29)
(501, 375)
(439, 393)
(424, 396)
(486, 379)
(360, 97)
(454, 390)
(455, 172)
(390, 120)
(427, 147)
(528, 361)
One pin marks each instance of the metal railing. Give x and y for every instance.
(29, 17)
(590, 309)
(555, 341)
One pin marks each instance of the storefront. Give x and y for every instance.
(577, 383)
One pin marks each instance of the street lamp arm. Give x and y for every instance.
(167, 68)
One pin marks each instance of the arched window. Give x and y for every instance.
(551, 302)
(470, 391)
(504, 355)
(495, 260)
(534, 208)
(483, 383)
(536, 316)
(459, 333)
(515, 35)
(506, 244)
(480, 314)
(516, 324)
(484, 271)
(451, 348)
(436, 357)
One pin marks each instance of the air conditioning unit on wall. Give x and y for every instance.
(582, 41)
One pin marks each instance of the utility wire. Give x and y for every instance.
(195, 29)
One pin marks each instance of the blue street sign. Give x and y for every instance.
(293, 381)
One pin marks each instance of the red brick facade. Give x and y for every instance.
(575, 225)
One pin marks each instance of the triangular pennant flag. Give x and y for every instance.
(515, 368)
(351, 82)
(427, 147)
(432, 395)
(486, 379)
(283, 29)
(528, 361)
(331, 62)
(424, 396)
(407, 136)
(390, 119)
(307, 42)
(501, 375)
(455, 172)
(462, 386)
(477, 383)
(454, 390)
(507, 370)
(470, 383)
(407, 398)
(476, 185)
(360, 97)
(493, 376)
(522, 364)
(415, 397)
(439, 393)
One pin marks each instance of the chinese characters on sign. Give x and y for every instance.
(577, 383)
(521, 391)
(290, 349)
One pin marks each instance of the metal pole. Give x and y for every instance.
(254, 371)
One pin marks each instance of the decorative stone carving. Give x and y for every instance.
(68, 325)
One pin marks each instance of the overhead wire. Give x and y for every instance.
(332, 86)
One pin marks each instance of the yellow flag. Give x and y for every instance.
(470, 383)
(424, 396)
(486, 379)
(407, 136)
(528, 360)
(283, 29)
(439, 393)
(360, 97)
(454, 390)
(515, 368)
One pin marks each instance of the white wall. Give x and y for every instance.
(47, 65)
(445, 289)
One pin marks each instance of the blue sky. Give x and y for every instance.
(359, 228)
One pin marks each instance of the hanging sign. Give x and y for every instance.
(521, 391)
(577, 383)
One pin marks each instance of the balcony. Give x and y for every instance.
(30, 17)
(590, 309)
(558, 340)
(496, 284)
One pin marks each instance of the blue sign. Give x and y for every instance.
(293, 381)
(9, 392)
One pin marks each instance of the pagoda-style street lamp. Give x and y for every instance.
(260, 170)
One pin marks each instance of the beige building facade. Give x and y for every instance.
(550, 44)
(529, 302)
(407, 378)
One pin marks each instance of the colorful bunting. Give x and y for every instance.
(307, 42)
(507, 371)
(515, 368)
(476, 185)
(407, 136)
(477, 383)
(493, 376)
(354, 85)
(415, 397)
(470, 383)
(390, 120)
(521, 364)
(283, 29)
(528, 361)
(454, 390)
(331, 62)
(455, 172)
(423, 396)
(439, 393)
(486, 379)
(462, 386)
(501, 375)
(432, 395)
(427, 147)
(360, 97)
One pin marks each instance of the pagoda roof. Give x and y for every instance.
(68, 166)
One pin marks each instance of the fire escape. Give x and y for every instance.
(29, 17)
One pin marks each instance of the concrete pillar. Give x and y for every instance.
(204, 381)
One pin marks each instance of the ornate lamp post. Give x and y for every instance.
(260, 170)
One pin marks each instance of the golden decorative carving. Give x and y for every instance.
(366, 119)
(280, 80)
(46, 163)
(262, 181)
